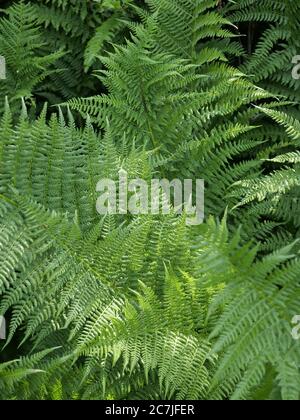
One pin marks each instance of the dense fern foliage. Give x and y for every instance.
(145, 306)
(272, 44)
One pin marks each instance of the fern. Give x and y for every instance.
(270, 62)
(21, 46)
(144, 306)
(254, 331)
(80, 28)
(276, 195)
(162, 101)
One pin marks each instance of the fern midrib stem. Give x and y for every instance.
(144, 102)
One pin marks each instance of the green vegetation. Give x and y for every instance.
(144, 306)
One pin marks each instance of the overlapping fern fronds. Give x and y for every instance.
(126, 337)
(165, 102)
(271, 47)
(275, 196)
(254, 332)
(143, 306)
(82, 29)
(21, 45)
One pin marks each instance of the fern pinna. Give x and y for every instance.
(143, 306)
